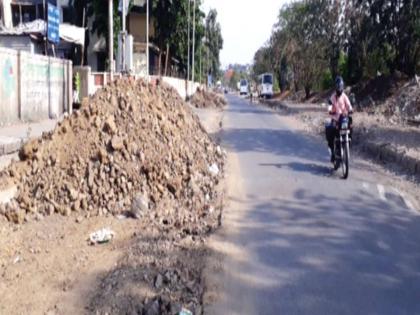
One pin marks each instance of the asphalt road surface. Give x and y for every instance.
(299, 239)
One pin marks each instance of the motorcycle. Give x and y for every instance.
(342, 145)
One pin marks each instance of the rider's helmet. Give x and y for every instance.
(339, 85)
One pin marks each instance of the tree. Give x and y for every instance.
(315, 40)
(167, 19)
(98, 10)
(214, 43)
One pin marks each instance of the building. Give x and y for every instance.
(23, 27)
(136, 24)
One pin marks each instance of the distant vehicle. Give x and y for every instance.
(265, 85)
(243, 90)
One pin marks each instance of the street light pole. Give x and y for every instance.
(201, 51)
(147, 41)
(111, 40)
(123, 37)
(193, 45)
(188, 45)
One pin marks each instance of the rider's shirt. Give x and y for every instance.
(340, 105)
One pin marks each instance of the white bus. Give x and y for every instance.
(265, 85)
(243, 89)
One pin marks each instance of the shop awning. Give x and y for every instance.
(68, 32)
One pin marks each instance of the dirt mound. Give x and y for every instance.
(207, 99)
(405, 103)
(134, 148)
(372, 92)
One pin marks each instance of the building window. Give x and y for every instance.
(23, 14)
(28, 13)
(101, 61)
(40, 12)
(1, 16)
(67, 16)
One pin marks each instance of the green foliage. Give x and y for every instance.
(99, 10)
(378, 61)
(276, 86)
(343, 66)
(327, 80)
(214, 43)
(315, 40)
(171, 25)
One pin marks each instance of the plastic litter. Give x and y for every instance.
(101, 236)
(214, 169)
(184, 311)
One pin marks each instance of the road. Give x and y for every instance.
(298, 239)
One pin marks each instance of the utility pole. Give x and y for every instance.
(193, 45)
(123, 38)
(147, 41)
(111, 40)
(44, 6)
(188, 48)
(208, 59)
(201, 50)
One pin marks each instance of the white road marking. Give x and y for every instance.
(408, 203)
(365, 186)
(381, 191)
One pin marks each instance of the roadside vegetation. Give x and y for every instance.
(170, 20)
(313, 41)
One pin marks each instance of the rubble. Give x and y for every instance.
(131, 138)
(206, 99)
(404, 104)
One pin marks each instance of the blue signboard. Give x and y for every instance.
(53, 24)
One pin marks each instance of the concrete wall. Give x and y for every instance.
(137, 26)
(85, 74)
(6, 11)
(180, 86)
(92, 81)
(33, 87)
(9, 93)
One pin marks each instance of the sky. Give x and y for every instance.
(246, 26)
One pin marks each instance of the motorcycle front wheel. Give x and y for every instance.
(345, 160)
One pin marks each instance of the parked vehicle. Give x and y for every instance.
(265, 85)
(243, 89)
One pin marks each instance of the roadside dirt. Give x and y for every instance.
(208, 99)
(153, 265)
(52, 266)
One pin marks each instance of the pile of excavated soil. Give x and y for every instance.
(372, 92)
(207, 99)
(405, 103)
(134, 148)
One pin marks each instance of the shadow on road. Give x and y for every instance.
(316, 254)
(312, 168)
(277, 141)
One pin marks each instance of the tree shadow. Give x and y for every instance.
(280, 142)
(318, 254)
(312, 168)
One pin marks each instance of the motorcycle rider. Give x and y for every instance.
(339, 106)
